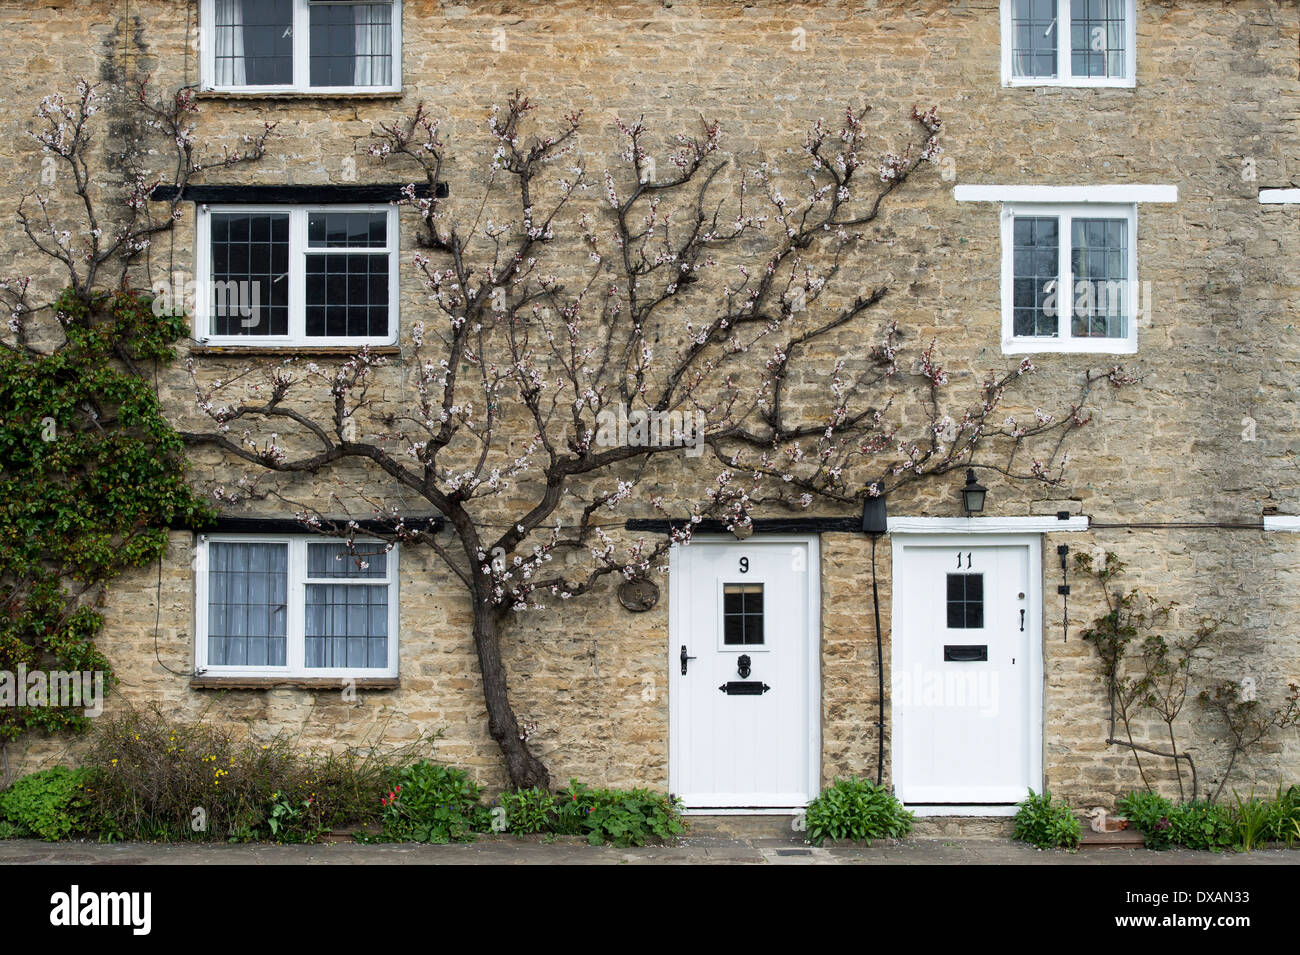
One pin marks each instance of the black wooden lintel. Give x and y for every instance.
(288, 525)
(326, 193)
(762, 525)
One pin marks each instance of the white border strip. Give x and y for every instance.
(986, 525)
(1282, 523)
(1085, 194)
(1278, 196)
(939, 812)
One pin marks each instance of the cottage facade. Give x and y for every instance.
(1146, 147)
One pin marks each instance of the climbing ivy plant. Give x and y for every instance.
(91, 476)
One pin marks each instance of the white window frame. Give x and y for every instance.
(301, 53)
(295, 610)
(297, 336)
(1063, 61)
(1064, 340)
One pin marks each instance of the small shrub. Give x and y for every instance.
(51, 804)
(1201, 825)
(856, 809)
(1044, 825)
(527, 810)
(149, 775)
(1150, 814)
(433, 803)
(625, 817)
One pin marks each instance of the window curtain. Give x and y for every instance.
(229, 53)
(373, 44)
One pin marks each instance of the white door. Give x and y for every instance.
(966, 671)
(744, 691)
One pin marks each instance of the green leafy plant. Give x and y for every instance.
(1045, 825)
(856, 809)
(1201, 825)
(51, 804)
(527, 810)
(433, 803)
(93, 476)
(625, 817)
(1284, 815)
(633, 817)
(1207, 825)
(1150, 814)
(1252, 818)
(291, 821)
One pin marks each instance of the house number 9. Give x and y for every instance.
(744, 565)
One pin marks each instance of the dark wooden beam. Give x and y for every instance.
(301, 195)
(288, 525)
(762, 525)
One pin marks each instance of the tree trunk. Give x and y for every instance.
(525, 769)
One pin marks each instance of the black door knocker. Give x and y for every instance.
(742, 665)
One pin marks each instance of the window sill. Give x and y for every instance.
(294, 682)
(1075, 346)
(232, 351)
(308, 95)
(1046, 83)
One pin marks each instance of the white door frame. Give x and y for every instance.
(1034, 706)
(677, 626)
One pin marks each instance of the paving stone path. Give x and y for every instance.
(691, 850)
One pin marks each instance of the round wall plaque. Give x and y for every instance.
(638, 595)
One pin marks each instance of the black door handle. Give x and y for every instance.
(684, 659)
(1022, 621)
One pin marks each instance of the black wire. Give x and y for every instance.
(1159, 525)
(880, 671)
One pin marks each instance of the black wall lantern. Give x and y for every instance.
(972, 495)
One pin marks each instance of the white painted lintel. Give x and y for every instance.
(1113, 193)
(1282, 522)
(1047, 524)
